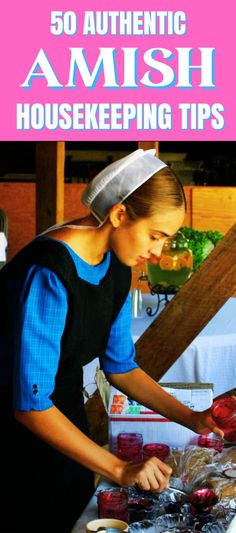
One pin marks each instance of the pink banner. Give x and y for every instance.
(128, 70)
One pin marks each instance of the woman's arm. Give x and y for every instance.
(142, 388)
(54, 428)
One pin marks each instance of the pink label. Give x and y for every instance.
(154, 70)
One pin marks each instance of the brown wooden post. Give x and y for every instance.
(147, 145)
(50, 162)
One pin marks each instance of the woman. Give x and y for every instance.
(66, 301)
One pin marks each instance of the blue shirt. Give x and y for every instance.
(38, 328)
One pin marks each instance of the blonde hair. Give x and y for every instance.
(162, 192)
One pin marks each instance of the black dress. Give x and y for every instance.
(45, 490)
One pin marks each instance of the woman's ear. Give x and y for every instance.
(117, 215)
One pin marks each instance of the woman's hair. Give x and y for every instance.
(162, 192)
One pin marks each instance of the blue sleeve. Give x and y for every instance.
(41, 316)
(120, 352)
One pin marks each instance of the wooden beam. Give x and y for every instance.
(148, 145)
(50, 162)
(190, 310)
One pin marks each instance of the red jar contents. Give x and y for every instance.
(230, 435)
(139, 509)
(223, 411)
(204, 441)
(129, 446)
(113, 503)
(203, 499)
(156, 449)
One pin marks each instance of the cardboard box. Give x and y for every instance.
(129, 416)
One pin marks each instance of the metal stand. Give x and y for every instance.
(162, 296)
(161, 293)
(149, 310)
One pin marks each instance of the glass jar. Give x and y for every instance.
(156, 449)
(223, 412)
(129, 446)
(203, 499)
(206, 441)
(169, 271)
(113, 503)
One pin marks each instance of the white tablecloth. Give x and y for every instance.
(210, 358)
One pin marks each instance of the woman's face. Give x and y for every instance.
(135, 242)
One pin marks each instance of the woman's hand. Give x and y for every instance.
(151, 474)
(55, 429)
(203, 423)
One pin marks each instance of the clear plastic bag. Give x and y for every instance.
(228, 456)
(173, 460)
(194, 460)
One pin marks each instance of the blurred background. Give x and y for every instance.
(196, 163)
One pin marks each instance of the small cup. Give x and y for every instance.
(106, 523)
(203, 499)
(205, 441)
(223, 411)
(113, 503)
(230, 435)
(144, 508)
(156, 449)
(130, 446)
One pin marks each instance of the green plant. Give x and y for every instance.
(200, 242)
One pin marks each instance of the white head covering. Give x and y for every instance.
(115, 183)
(118, 180)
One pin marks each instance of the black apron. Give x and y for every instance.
(46, 490)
